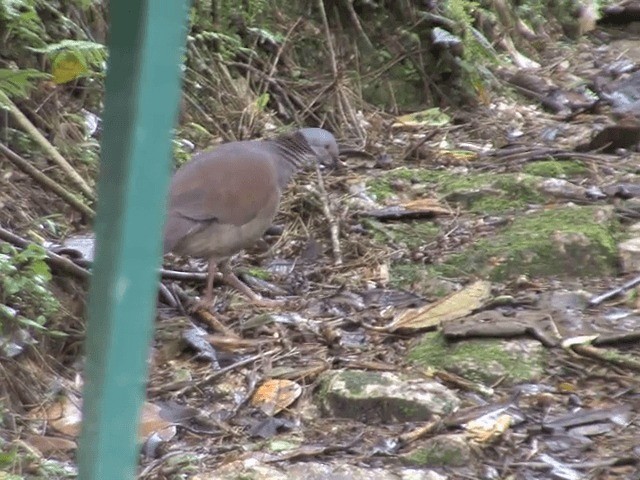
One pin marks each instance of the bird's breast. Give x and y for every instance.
(223, 240)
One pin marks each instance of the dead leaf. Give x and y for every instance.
(47, 445)
(433, 117)
(152, 421)
(457, 305)
(273, 396)
(487, 430)
(430, 204)
(578, 340)
(65, 416)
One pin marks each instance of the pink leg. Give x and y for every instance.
(229, 277)
(211, 273)
(206, 302)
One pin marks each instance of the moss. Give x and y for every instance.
(485, 193)
(554, 242)
(555, 168)
(491, 194)
(478, 359)
(381, 187)
(355, 382)
(439, 451)
(407, 275)
(413, 234)
(259, 273)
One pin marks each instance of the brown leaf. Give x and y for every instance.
(273, 396)
(457, 305)
(47, 445)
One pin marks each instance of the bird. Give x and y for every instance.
(223, 200)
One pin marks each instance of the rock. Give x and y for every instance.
(561, 188)
(556, 242)
(255, 470)
(482, 360)
(629, 251)
(440, 451)
(384, 397)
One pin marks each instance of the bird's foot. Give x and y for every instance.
(205, 304)
(259, 301)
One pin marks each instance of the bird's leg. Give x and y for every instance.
(211, 273)
(207, 301)
(230, 278)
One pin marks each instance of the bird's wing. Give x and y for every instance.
(229, 185)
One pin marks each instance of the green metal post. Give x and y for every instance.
(146, 44)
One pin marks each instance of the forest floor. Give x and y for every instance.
(443, 319)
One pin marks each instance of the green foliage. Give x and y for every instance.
(461, 11)
(476, 47)
(71, 59)
(228, 44)
(24, 278)
(18, 83)
(21, 23)
(91, 53)
(253, 13)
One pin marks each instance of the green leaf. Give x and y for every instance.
(27, 322)
(262, 101)
(18, 83)
(57, 334)
(40, 267)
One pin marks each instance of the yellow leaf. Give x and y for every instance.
(433, 117)
(67, 66)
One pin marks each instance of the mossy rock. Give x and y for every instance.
(555, 168)
(440, 451)
(482, 360)
(566, 241)
(411, 234)
(383, 397)
(485, 193)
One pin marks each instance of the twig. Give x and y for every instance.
(634, 282)
(334, 228)
(348, 115)
(327, 32)
(65, 264)
(53, 259)
(606, 356)
(180, 275)
(46, 182)
(25, 123)
(218, 373)
(355, 21)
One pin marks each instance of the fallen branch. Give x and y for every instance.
(53, 259)
(634, 282)
(46, 182)
(30, 128)
(607, 356)
(334, 227)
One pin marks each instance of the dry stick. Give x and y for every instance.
(54, 259)
(634, 282)
(342, 103)
(68, 265)
(48, 148)
(46, 182)
(355, 21)
(274, 64)
(606, 356)
(334, 228)
(281, 49)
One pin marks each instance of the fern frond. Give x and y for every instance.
(87, 52)
(17, 83)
